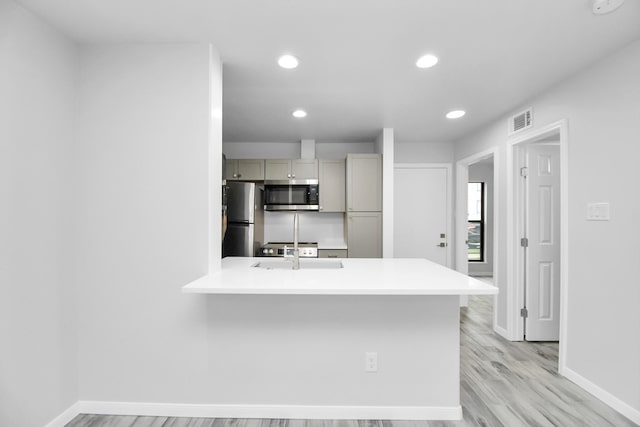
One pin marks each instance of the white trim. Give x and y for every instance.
(309, 412)
(387, 151)
(462, 178)
(501, 331)
(214, 167)
(516, 325)
(624, 408)
(449, 227)
(70, 413)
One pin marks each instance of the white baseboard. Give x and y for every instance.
(260, 411)
(70, 413)
(624, 408)
(502, 332)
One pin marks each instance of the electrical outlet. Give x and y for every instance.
(371, 362)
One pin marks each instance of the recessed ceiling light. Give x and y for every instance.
(288, 61)
(456, 114)
(601, 7)
(427, 61)
(299, 114)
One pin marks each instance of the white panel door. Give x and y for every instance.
(542, 270)
(421, 212)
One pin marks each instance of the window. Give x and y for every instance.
(475, 221)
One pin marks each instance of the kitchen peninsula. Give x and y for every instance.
(374, 339)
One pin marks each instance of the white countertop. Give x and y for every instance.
(388, 276)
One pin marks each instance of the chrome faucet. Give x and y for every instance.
(296, 251)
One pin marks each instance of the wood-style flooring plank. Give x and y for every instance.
(502, 384)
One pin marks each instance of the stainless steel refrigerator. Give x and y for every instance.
(245, 219)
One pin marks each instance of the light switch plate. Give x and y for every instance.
(598, 211)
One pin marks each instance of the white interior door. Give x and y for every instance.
(542, 260)
(421, 212)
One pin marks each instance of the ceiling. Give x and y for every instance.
(357, 70)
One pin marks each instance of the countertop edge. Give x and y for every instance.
(211, 284)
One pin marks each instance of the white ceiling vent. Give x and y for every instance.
(521, 121)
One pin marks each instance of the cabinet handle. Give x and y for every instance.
(239, 175)
(293, 175)
(288, 175)
(235, 175)
(332, 256)
(320, 208)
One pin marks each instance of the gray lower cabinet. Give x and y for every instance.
(331, 175)
(245, 170)
(332, 253)
(364, 234)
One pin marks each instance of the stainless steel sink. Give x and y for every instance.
(304, 265)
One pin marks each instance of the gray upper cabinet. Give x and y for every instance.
(304, 169)
(245, 170)
(331, 176)
(291, 169)
(364, 183)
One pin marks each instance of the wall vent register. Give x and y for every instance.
(521, 121)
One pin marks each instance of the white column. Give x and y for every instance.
(384, 145)
(308, 149)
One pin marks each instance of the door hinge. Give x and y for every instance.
(524, 171)
(524, 312)
(524, 242)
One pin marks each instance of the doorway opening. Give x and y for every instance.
(476, 218)
(480, 218)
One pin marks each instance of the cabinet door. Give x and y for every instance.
(251, 169)
(304, 169)
(332, 185)
(232, 170)
(277, 169)
(364, 182)
(364, 234)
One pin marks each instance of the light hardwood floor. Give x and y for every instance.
(503, 383)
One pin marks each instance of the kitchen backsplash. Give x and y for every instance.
(314, 227)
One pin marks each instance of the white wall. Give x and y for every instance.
(301, 350)
(38, 373)
(428, 152)
(483, 172)
(261, 150)
(142, 221)
(601, 105)
(339, 150)
(291, 150)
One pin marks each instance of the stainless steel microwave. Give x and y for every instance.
(291, 195)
